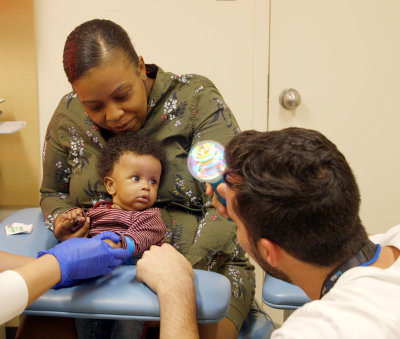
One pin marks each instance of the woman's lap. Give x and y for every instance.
(243, 287)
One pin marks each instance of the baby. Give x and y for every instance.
(132, 167)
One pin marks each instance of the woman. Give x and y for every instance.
(114, 91)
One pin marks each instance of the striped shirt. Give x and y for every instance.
(145, 228)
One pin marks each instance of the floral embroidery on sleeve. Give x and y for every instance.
(46, 139)
(62, 176)
(77, 149)
(94, 193)
(93, 138)
(174, 110)
(198, 89)
(69, 98)
(184, 78)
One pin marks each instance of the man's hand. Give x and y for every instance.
(66, 220)
(164, 266)
(171, 276)
(221, 208)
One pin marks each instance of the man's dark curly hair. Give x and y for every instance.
(296, 189)
(130, 142)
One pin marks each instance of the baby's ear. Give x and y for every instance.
(109, 183)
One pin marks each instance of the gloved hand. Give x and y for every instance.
(81, 258)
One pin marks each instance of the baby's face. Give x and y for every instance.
(136, 179)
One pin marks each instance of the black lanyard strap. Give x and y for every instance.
(367, 255)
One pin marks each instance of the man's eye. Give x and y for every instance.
(135, 178)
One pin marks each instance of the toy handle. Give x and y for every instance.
(214, 186)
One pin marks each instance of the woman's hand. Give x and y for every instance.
(62, 226)
(220, 207)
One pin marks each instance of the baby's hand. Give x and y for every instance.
(73, 216)
(113, 244)
(66, 221)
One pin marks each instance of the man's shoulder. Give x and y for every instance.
(344, 313)
(390, 238)
(310, 321)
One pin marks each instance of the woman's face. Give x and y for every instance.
(115, 95)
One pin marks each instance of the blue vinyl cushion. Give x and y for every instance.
(282, 295)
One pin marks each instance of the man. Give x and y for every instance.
(296, 204)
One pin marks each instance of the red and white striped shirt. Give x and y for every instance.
(145, 228)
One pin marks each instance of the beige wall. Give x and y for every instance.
(19, 152)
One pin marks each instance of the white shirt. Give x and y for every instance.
(364, 303)
(13, 295)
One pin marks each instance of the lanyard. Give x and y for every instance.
(368, 254)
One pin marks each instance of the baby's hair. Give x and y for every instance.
(130, 142)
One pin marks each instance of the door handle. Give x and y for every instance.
(289, 99)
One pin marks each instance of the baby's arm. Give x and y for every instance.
(147, 228)
(113, 244)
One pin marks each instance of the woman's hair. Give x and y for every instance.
(94, 43)
(130, 142)
(296, 189)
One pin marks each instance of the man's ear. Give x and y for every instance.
(269, 251)
(109, 183)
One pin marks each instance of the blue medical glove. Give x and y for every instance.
(81, 258)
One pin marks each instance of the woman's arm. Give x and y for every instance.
(63, 137)
(213, 121)
(55, 197)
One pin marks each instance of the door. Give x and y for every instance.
(342, 56)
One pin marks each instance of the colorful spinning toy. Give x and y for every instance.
(206, 162)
